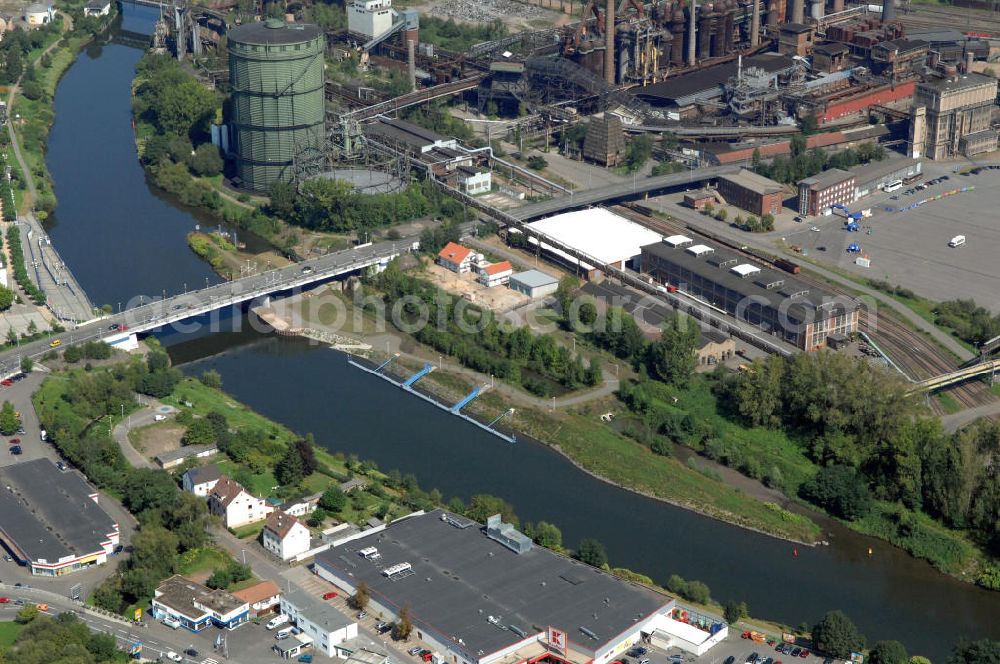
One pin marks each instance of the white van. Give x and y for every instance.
(283, 633)
(171, 623)
(957, 241)
(279, 619)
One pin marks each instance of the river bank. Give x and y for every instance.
(574, 431)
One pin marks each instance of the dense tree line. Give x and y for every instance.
(859, 426)
(969, 321)
(804, 163)
(481, 342)
(16, 46)
(64, 639)
(20, 270)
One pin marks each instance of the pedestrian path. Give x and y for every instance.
(65, 297)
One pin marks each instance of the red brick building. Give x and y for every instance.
(822, 191)
(754, 193)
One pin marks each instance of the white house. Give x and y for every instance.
(301, 506)
(496, 274)
(456, 258)
(38, 14)
(201, 480)
(235, 505)
(473, 181)
(284, 535)
(97, 8)
(262, 598)
(323, 623)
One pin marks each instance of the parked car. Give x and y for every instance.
(426, 655)
(114, 326)
(173, 657)
(362, 615)
(6, 382)
(796, 651)
(307, 658)
(804, 653)
(730, 660)
(15, 450)
(329, 595)
(4, 600)
(191, 652)
(60, 465)
(15, 441)
(414, 650)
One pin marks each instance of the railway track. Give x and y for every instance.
(979, 21)
(918, 357)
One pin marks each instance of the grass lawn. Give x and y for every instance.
(260, 484)
(202, 560)
(205, 399)
(249, 532)
(8, 633)
(948, 403)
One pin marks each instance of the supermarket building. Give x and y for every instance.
(488, 595)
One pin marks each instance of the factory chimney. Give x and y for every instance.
(798, 11)
(609, 40)
(818, 8)
(838, 6)
(755, 24)
(970, 57)
(692, 45)
(888, 10)
(411, 60)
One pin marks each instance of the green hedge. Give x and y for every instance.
(9, 205)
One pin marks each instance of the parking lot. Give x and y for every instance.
(910, 247)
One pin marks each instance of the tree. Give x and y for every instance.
(482, 506)
(201, 432)
(220, 578)
(333, 500)
(592, 552)
(839, 489)
(6, 298)
(548, 535)
(983, 651)
(537, 163)
(361, 596)
(401, 630)
(638, 152)
(27, 613)
(9, 421)
(307, 454)
(27, 364)
(889, 652)
(564, 295)
(837, 636)
(211, 378)
(696, 591)
(755, 160)
(673, 357)
(735, 611)
(289, 468)
(206, 162)
(11, 337)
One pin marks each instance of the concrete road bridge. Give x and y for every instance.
(991, 367)
(638, 187)
(121, 328)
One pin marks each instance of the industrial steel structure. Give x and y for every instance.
(277, 101)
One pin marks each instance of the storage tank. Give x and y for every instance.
(277, 102)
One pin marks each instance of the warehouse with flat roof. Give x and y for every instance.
(482, 595)
(50, 520)
(776, 302)
(595, 232)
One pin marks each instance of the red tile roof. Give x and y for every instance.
(258, 593)
(226, 490)
(497, 268)
(454, 253)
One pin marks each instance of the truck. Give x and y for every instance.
(957, 241)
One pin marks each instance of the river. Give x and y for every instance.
(121, 238)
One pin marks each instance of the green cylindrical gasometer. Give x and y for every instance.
(277, 100)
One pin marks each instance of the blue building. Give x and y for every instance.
(196, 607)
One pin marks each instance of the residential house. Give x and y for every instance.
(496, 274)
(237, 507)
(263, 598)
(456, 258)
(302, 505)
(97, 8)
(201, 480)
(284, 535)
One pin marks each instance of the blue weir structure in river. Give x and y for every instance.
(455, 409)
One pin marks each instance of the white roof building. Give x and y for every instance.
(597, 232)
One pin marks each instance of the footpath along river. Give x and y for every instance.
(122, 239)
